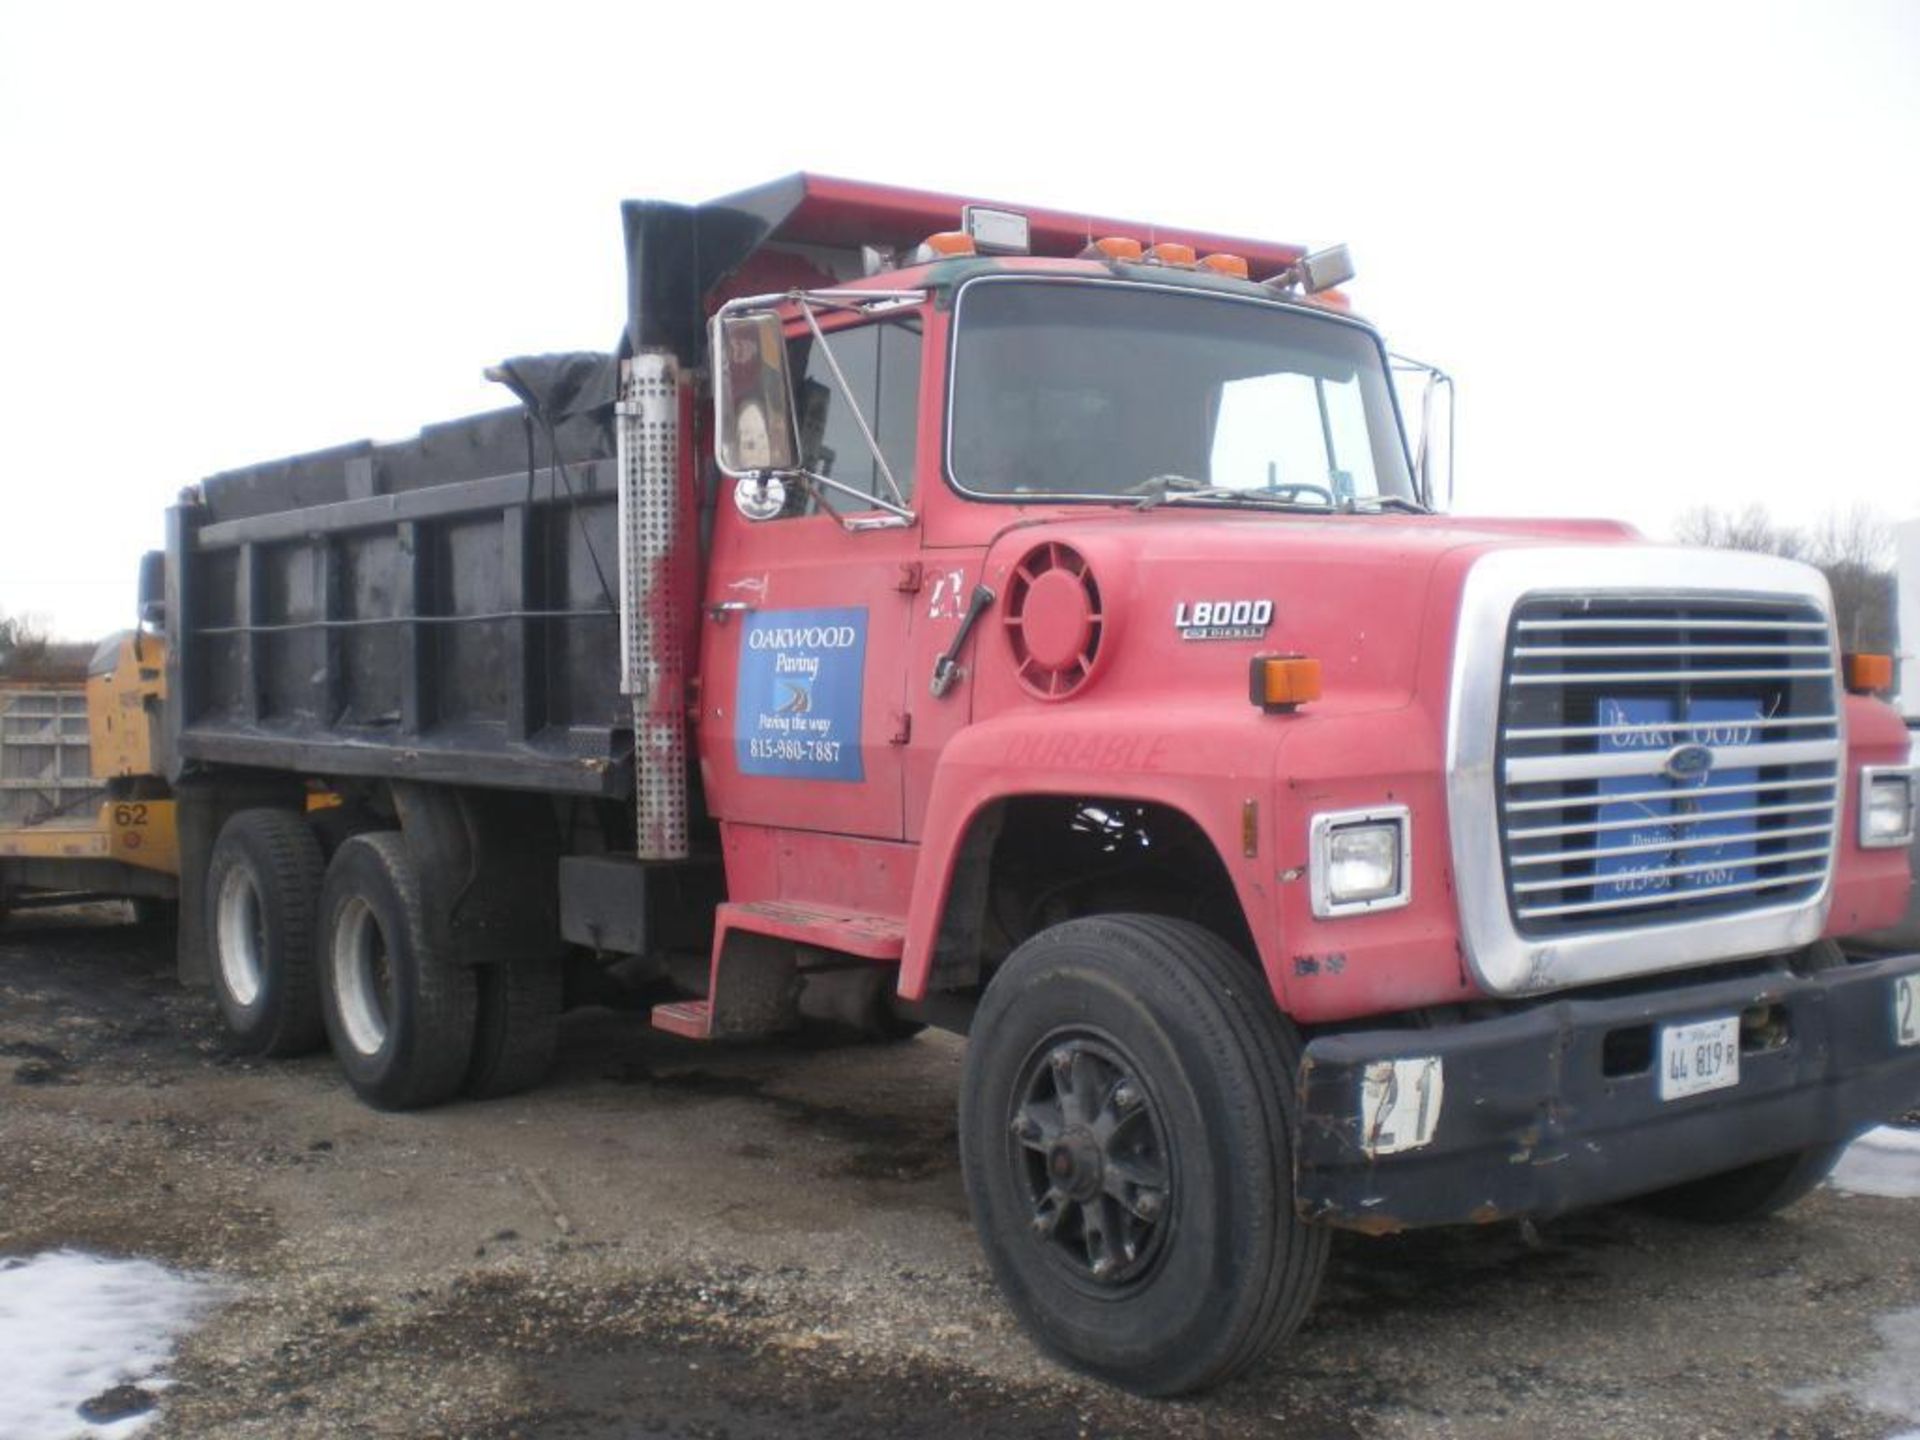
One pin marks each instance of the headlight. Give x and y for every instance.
(1886, 807)
(1361, 860)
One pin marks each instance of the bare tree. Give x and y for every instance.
(23, 642)
(1751, 529)
(1853, 547)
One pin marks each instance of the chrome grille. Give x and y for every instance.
(1608, 705)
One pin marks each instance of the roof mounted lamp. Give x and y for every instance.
(997, 232)
(1312, 274)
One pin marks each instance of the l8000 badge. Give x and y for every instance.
(1222, 619)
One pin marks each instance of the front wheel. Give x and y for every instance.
(1126, 1129)
(1751, 1192)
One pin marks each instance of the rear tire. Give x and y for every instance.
(1751, 1192)
(518, 1026)
(399, 1013)
(1126, 1128)
(263, 889)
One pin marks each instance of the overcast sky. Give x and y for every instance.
(1671, 251)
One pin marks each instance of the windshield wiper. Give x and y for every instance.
(1179, 489)
(1399, 503)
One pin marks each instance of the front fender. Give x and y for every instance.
(1205, 761)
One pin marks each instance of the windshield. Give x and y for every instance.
(1102, 390)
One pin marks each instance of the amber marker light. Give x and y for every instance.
(1168, 252)
(1224, 264)
(1113, 247)
(1282, 683)
(1867, 674)
(944, 246)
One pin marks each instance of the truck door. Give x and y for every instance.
(804, 646)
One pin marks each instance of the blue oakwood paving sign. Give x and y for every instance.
(798, 710)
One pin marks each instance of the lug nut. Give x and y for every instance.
(1125, 1096)
(1148, 1204)
(1025, 1127)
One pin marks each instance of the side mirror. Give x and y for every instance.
(153, 589)
(1433, 447)
(753, 398)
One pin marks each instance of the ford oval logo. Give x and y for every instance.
(1688, 762)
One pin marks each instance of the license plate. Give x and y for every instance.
(1906, 1010)
(1699, 1057)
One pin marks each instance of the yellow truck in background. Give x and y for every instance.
(83, 810)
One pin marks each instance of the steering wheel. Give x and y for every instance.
(1172, 484)
(1288, 492)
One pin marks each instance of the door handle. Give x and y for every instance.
(946, 669)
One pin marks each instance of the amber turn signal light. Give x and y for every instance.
(1168, 252)
(1284, 682)
(944, 246)
(1113, 247)
(1223, 264)
(1867, 673)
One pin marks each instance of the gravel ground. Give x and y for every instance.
(676, 1240)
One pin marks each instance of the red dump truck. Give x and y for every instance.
(1039, 625)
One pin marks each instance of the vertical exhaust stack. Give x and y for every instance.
(652, 665)
(676, 254)
(663, 325)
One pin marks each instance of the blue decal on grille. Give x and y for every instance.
(1688, 814)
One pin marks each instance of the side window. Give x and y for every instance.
(881, 363)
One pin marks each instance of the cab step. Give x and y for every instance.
(752, 984)
(853, 932)
(689, 1019)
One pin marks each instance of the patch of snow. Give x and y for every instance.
(1882, 1162)
(74, 1325)
(1892, 1386)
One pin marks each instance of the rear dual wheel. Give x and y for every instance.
(399, 1012)
(263, 890)
(412, 1025)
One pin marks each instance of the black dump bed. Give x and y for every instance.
(442, 607)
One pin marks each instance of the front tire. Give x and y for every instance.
(1751, 1192)
(263, 889)
(1126, 1129)
(399, 1013)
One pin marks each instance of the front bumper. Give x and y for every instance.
(1534, 1124)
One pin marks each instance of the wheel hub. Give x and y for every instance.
(1076, 1166)
(1089, 1147)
